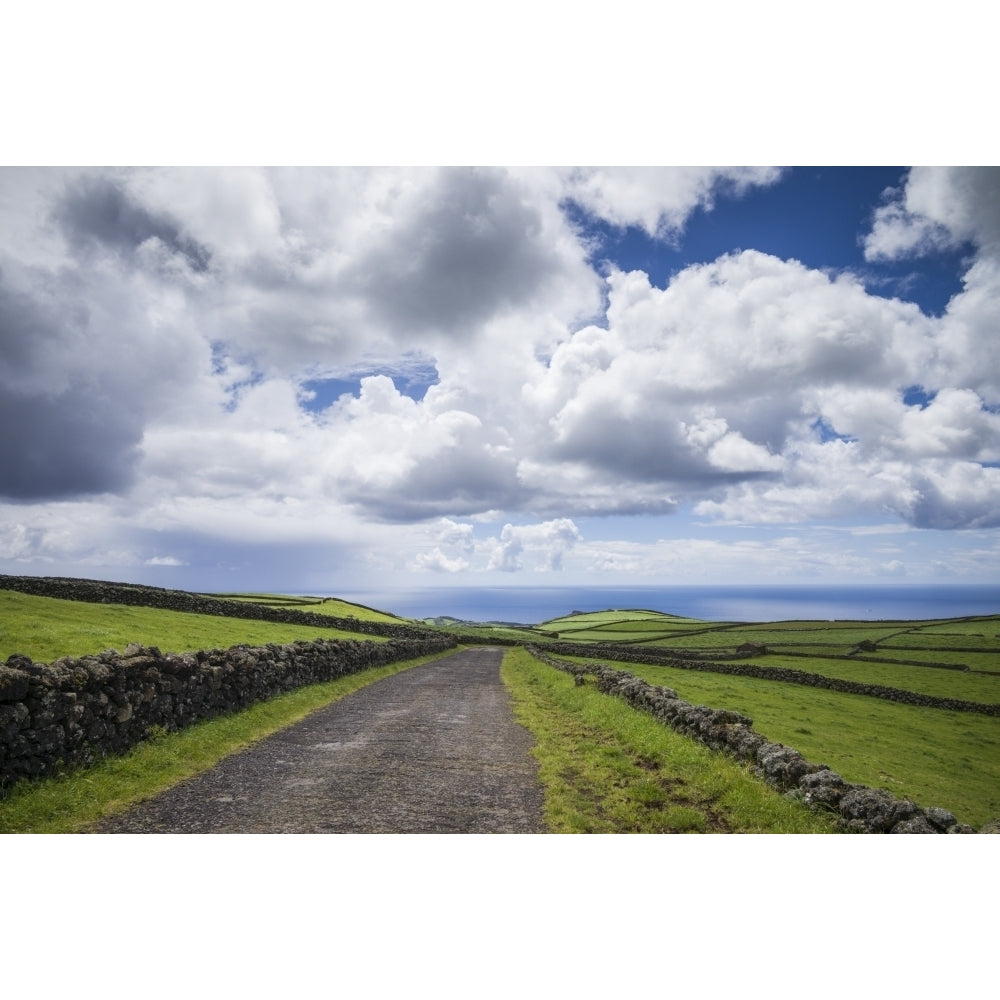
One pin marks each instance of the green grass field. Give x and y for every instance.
(46, 628)
(933, 756)
(332, 606)
(607, 768)
(485, 633)
(818, 647)
(963, 685)
(936, 757)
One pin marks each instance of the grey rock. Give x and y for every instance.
(915, 824)
(14, 683)
(940, 818)
(823, 788)
(873, 807)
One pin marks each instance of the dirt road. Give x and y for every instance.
(435, 749)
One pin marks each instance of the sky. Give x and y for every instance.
(327, 379)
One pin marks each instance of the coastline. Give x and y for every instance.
(531, 605)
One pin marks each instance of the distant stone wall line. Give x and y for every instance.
(784, 675)
(137, 595)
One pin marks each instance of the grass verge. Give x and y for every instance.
(76, 801)
(608, 768)
(933, 756)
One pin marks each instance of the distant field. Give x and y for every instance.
(468, 631)
(332, 606)
(973, 641)
(587, 618)
(959, 684)
(46, 628)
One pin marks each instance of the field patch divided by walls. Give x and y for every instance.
(860, 808)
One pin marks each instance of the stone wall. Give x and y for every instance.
(784, 675)
(858, 808)
(78, 709)
(135, 595)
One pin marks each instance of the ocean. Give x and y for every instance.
(531, 605)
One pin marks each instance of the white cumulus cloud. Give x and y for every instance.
(160, 329)
(542, 545)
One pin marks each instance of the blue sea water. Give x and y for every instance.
(531, 605)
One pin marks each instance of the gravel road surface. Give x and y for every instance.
(435, 749)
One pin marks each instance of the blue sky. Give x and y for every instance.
(815, 215)
(349, 378)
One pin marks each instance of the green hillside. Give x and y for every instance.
(46, 628)
(933, 755)
(332, 606)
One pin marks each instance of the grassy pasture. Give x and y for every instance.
(599, 623)
(974, 661)
(488, 633)
(332, 606)
(46, 628)
(935, 757)
(608, 768)
(939, 683)
(643, 629)
(818, 651)
(986, 629)
(845, 636)
(945, 641)
(587, 618)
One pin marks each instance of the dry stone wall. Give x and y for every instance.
(782, 674)
(101, 592)
(76, 710)
(858, 808)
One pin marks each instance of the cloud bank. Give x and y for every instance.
(160, 330)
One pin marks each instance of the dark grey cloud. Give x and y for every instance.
(66, 445)
(238, 564)
(966, 200)
(968, 503)
(98, 212)
(453, 483)
(65, 433)
(643, 449)
(473, 248)
(28, 328)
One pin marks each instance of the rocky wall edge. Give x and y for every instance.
(858, 808)
(140, 595)
(77, 710)
(784, 675)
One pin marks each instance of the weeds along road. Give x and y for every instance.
(435, 749)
